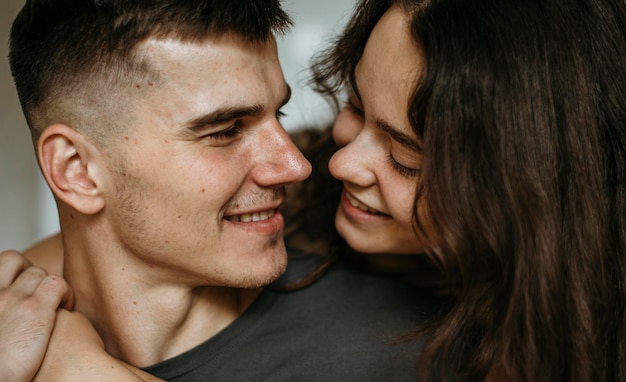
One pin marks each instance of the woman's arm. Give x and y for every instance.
(39, 341)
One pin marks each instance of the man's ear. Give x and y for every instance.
(69, 162)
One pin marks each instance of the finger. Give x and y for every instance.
(54, 292)
(12, 264)
(27, 282)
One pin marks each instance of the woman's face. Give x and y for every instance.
(379, 160)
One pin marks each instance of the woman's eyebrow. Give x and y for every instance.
(395, 133)
(398, 135)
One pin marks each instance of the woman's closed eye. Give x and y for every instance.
(354, 108)
(402, 169)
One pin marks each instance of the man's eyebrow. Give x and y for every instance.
(398, 136)
(223, 115)
(230, 113)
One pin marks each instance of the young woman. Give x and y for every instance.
(488, 140)
(495, 133)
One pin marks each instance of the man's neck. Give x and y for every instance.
(140, 321)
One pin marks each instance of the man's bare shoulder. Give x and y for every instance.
(47, 254)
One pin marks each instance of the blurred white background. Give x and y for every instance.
(27, 209)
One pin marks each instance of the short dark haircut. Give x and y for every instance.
(64, 52)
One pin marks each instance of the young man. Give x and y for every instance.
(156, 127)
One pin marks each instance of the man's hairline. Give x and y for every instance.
(137, 80)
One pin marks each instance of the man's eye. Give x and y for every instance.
(229, 133)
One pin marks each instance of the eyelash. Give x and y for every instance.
(353, 109)
(403, 170)
(235, 130)
(228, 133)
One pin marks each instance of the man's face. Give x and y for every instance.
(198, 178)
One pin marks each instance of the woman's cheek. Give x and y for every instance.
(346, 127)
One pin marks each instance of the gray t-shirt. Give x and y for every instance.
(341, 328)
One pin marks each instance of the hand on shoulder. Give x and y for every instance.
(29, 299)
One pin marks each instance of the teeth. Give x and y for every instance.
(255, 217)
(355, 203)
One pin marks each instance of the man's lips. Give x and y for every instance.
(263, 221)
(252, 216)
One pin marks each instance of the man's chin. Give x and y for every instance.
(266, 274)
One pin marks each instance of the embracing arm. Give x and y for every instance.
(73, 350)
(29, 298)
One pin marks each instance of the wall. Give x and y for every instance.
(27, 210)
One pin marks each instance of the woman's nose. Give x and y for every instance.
(355, 161)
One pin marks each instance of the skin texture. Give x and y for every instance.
(64, 360)
(47, 254)
(379, 159)
(156, 227)
(180, 180)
